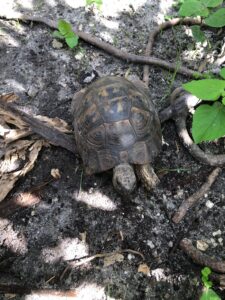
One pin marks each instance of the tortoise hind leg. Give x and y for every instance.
(147, 176)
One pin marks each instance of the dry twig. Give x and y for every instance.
(128, 57)
(193, 199)
(202, 258)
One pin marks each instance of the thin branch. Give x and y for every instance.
(201, 258)
(193, 199)
(128, 57)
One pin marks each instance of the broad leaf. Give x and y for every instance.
(193, 8)
(222, 73)
(216, 19)
(206, 89)
(208, 122)
(198, 35)
(206, 271)
(58, 35)
(211, 3)
(223, 100)
(210, 295)
(64, 27)
(71, 39)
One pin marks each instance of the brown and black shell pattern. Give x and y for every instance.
(115, 122)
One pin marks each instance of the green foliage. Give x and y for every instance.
(209, 119)
(216, 19)
(208, 122)
(208, 293)
(204, 9)
(97, 2)
(65, 32)
(193, 8)
(198, 35)
(206, 89)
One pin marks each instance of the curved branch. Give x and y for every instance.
(128, 57)
(189, 102)
(157, 30)
(202, 258)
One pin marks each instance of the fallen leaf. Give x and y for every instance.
(110, 260)
(143, 268)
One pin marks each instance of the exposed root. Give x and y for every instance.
(160, 28)
(128, 57)
(193, 199)
(202, 258)
(180, 121)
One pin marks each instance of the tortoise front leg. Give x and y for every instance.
(147, 176)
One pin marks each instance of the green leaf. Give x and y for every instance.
(205, 89)
(193, 8)
(211, 3)
(223, 100)
(206, 272)
(222, 73)
(208, 122)
(71, 39)
(210, 295)
(216, 19)
(198, 35)
(64, 27)
(97, 2)
(58, 35)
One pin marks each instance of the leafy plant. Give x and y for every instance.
(207, 9)
(208, 119)
(208, 293)
(65, 32)
(97, 2)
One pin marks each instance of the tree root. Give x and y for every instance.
(189, 202)
(202, 258)
(128, 57)
(160, 28)
(180, 120)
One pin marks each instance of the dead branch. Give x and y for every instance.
(193, 199)
(50, 133)
(128, 57)
(160, 28)
(202, 258)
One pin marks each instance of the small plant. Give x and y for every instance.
(208, 292)
(208, 10)
(65, 32)
(208, 119)
(97, 2)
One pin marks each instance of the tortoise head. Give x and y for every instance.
(124, 179)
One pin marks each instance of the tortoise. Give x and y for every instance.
(116, 126)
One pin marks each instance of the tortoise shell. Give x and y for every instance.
(115, 122)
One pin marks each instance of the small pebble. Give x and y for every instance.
(209, 204)
(218, 232)
(170, 244)
(220, 240)
(150, 244)
(130, 256)
(214, 243)
(56, 44)
(202, 245)
(32, 91)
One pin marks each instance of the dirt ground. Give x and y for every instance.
(81, 216)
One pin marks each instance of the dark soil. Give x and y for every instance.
(82, 216)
